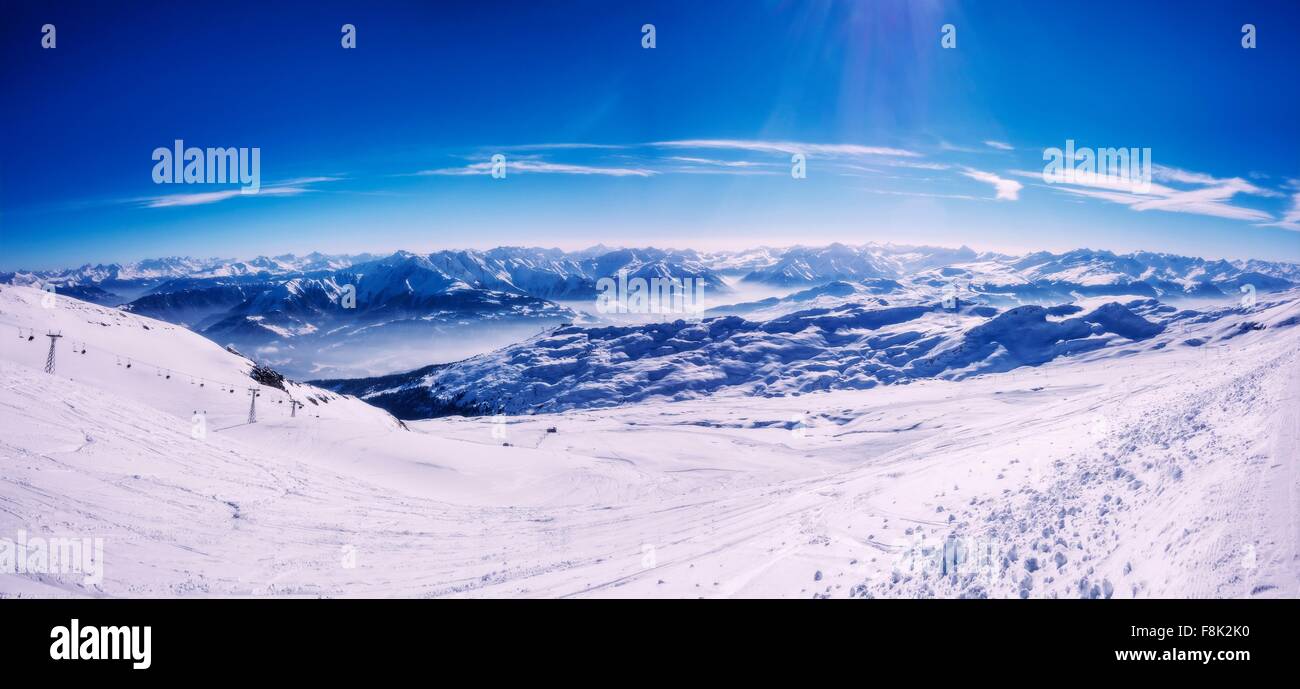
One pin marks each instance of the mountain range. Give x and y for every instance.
(339, 315)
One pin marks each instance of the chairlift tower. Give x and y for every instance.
(49, 358)
(252, 405)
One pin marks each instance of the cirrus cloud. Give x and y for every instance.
(1004, 189)
(1211, 196)
(291, 187)
(790, 147)
(540, 167)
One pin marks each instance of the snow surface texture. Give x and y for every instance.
(1134, 470)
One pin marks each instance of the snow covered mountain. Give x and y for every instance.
(823, 349)
(120, 282)
(375, 316)
(553, 274)
(320, 315)
(803, 266)
(571, 276)
(853, 346)
(1040, 274)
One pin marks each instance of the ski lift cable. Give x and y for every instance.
(157, 367)
(137, 360)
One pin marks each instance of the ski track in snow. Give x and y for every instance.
(1167, 473)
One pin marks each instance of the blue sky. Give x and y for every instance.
(688, 144)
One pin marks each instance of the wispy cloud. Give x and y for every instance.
(1174, 190)
(1291, 219)
(291, 187)
(739, 172)
(1205, 201)
(790, 147)
(712, 161)
(691, 165)
(541, 167)
(1004, 189)
(1175, 175)
(928, 195)
(1211, 197)
(571, 146)
(918, 165)
(946, 146)
(687, 157)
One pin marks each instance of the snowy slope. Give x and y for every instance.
(172, 369)
(1150, 472)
